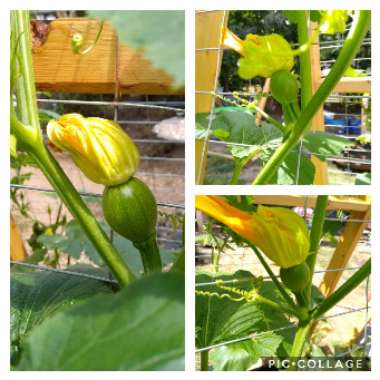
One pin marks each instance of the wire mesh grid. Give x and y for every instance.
(349, 122)
(234, 258)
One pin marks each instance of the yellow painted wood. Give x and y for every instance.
(348, 85)
(344, 250)
(58, 69)
(18, 252)
(208, 34)
(346, 203)
(263, 100)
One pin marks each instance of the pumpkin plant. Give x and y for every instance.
(278, 144)
(280, 235)
(152, 305)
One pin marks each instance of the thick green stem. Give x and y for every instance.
(150, 254)
(237, 171)
(82, 213)
(24, 61)
(300, 339)
(204, 360)
(359, 29)
(315, 235)
(275, 305)
(305, 61)
(343, 290)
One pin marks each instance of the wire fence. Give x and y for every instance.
(234, 258)
(344, 115)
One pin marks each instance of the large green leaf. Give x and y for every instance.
(139, 328)
(37, 295)
(219, 320)
(243, 355)
(74, 242)
(296, 168)
(238, 125)
(325, 144)
(160, 33)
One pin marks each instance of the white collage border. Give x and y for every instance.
(190, 189)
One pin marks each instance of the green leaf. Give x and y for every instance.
(245, 153)
(38, 295)
(75, 241)
(37, 256)
(292, 16)
(315, 16)
(20, 179)
(241, 125)
(160, 33)
(46, 115)
(363, 179)
(293, 163)
(139, 328)
(325, 144)
(354, 73)
(243, 355)
(238, 125)
(219, 320)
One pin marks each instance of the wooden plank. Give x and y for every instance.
(356, 85)
(208, 34)
(18, 252)
(344, 250)
(317, 124)
(263, 100)
(57, 68)
(354, 203)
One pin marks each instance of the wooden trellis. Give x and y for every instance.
(208, 33)
(208, 24)
(109, 64)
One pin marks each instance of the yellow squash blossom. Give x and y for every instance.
(99, 147)
(334, 21)
(261, 55)
(278, 232)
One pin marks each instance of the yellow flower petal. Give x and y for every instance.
(278, 232)
(99, 147)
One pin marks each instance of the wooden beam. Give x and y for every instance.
(346, 203)
(58, 69)
(318, 123)
(208, 34)
(344, 250)
(18, 252)
(348, 84)
(263, 100)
